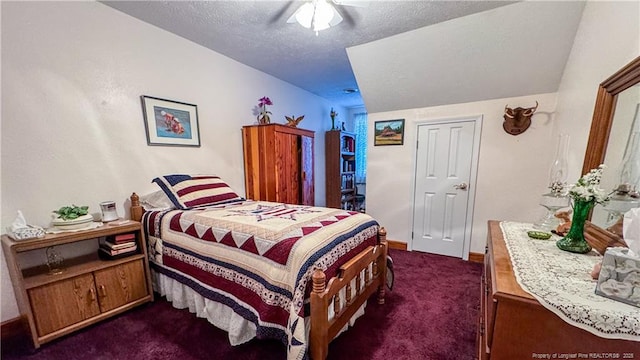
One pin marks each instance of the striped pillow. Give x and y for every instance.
(186, 191)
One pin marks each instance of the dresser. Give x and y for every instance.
(512, 324)
(278, 163)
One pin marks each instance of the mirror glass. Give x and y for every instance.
(626, 120)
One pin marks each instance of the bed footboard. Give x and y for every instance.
(372, 264)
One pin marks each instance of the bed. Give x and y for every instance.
(295, 273)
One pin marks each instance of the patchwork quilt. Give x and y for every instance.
(257, 257)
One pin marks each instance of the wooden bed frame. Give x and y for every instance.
(372, 262)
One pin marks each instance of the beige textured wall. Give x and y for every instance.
(72, 126)
(513, 171)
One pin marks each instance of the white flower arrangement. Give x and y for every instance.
(588, 187)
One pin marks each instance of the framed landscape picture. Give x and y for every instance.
(389, 132)
(170, 123)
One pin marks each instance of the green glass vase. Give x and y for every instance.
(574, 240)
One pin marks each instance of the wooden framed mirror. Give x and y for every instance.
(603, 115)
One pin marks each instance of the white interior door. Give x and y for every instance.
(445, 161)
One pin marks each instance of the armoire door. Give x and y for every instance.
(306, 164)
(287, 168)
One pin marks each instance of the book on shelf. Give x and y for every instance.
(124, 245)
(122, 238)
(113, 252)
(107, 256)
(347, 144)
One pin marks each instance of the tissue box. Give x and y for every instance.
(620, 276)
(25, 233)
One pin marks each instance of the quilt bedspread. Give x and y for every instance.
(258, 257)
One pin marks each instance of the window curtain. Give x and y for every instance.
(360, 126)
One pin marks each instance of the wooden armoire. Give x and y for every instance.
(278, 163)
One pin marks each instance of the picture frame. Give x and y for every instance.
(170, 123)
(388, 132)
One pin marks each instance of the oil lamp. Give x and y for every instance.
(626, 195)
(557, 197)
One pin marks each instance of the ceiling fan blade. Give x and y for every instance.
(306, 10)
(292, 18)
(356, 3)
(336, 18)
(276, 18)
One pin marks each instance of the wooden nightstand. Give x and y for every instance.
(87, 291)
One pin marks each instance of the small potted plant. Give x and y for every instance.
(71, 217)
(263, 115)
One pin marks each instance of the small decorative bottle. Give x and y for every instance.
(55, 261)
(333, 115)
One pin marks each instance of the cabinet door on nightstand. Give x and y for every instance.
(120, 284)
(63, 303)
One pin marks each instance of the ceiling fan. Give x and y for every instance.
(321, 14)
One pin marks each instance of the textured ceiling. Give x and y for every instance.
(255, 33)
(515, 50)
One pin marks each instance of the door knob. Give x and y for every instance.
(461, 186)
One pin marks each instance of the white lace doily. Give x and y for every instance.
(561, 282)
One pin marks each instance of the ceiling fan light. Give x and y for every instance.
(316, 15)
(323, 15)
(304, 15)
(320, 26)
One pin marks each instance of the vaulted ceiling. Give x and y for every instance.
(399, 54)
(515, 50)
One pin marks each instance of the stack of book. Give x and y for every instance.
(117, 246)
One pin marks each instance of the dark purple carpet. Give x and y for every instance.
(430, 314)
